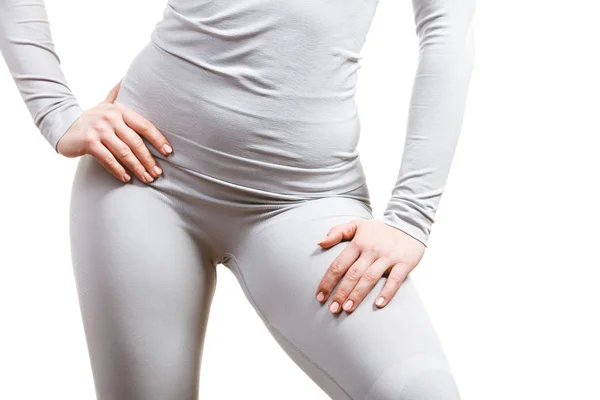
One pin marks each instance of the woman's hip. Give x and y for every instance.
(222, 132)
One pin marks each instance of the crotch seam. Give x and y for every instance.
(183, 213)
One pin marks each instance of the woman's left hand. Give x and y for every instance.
(376, 249)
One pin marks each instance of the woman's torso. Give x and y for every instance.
(262, 86)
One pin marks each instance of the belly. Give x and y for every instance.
(239, 95)
(215, 111)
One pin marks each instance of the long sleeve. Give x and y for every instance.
(28, 50)
(445, 33)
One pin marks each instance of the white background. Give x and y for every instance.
(511, 273)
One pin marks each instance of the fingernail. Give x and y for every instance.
(167, 148)
(157, 170)
(348, 305)
(320, 296)
(379, 301)
(147, 177)
(334, 307)
(126, 177)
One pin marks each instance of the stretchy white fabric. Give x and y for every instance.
(257, 99)
(283, 76)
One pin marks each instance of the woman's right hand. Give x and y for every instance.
(110, 132)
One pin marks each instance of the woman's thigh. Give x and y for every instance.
(369, 354)
(144, 284)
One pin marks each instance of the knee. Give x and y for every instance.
(421, 378)
(434, 384)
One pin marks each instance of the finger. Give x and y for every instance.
(112, 95)
(108, 161)
(123, 152)
(366, 283)
(336, 270)
(339, 233)
(137, 145)
(146, 129)
(349, 281)
(395, 278)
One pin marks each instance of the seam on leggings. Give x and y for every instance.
(182, 212)
(276, 331)
(419, 363)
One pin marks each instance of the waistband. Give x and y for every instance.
(287, 182)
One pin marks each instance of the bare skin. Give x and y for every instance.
(375, 250)
(111, 132)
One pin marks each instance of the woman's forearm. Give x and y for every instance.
(444, 29)
(28, 50)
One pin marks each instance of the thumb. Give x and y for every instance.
(338, 233)
(112, 95)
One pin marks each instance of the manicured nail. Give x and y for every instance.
(379, 301)
(334, 307)
(348, 305)
(126, 177)
(167, 148)
(147, 177)
(320, 296)
(157, 170)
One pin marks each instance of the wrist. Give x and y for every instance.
(411, 229)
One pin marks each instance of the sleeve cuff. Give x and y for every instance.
(56, 124)
(413, 229)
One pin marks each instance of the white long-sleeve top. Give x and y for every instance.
(289, 68)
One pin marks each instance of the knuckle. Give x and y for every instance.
(109, 159)
(147, 126)
(149, 160)
(341, 293)
(356, 295)
(375, 248)
(370, 276)
(397, 277)
(110, 115)
(98, 126)
(124, 151)
(89, 138)
(358, 243)
(137, 142)
(353, 274)
(336, 268)
(386, 258)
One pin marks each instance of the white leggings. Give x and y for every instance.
(144, 258)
